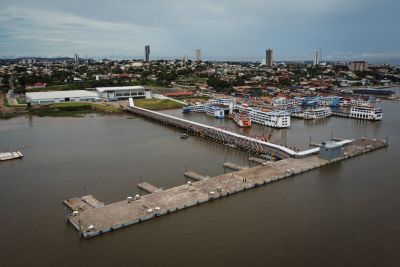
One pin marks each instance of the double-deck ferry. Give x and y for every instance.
(277, 119)
(198, 108)
(216, 110)
(241, 119)
(366, 112)
(318, 113)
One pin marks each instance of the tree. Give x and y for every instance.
(219, 85)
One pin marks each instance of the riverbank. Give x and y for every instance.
(69, 109)
(73, 109)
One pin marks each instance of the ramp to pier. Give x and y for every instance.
(220, 135)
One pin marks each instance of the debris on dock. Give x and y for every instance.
(149, 188)
(10, 155)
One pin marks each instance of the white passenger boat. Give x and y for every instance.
(366, 112)
(318, 113)
(215, 110)
(277, 119)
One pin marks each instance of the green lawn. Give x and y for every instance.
(72, 109)
(157, 104)
(96, 106)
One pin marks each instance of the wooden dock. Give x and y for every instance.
(10, 155)
(149, 188)
(92, 221)
(233, 166)
(195, 176)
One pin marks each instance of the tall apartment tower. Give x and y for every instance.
(317, 57)
(197, 54)
(147, 53)
(268, 58)
(76, 58)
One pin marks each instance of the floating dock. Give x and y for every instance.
(233, 166)
(10, 155)
(92, 221)
(195, 176)
(149, 188)
(258, 160)
(83, 203)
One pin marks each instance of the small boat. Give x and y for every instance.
(241, 119)
(184, 136)
(10, 155)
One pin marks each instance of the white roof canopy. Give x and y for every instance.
(119, 88)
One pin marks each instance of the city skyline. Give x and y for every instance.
(343, 30)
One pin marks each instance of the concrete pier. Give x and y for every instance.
(149, 188)
(315, 145)
(233, 166)
(258, 160)
(97, 220)
(83, 203)
(195, 176)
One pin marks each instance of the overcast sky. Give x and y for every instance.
(222, 29)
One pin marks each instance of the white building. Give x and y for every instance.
(317, 57)
(123, 92)
(43, 98)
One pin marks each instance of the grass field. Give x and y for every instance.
(157, 104)
(73, 109)
(91, 105)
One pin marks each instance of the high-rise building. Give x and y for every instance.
(358, 66)
(76, 58)
(268, 58)
(197, 54)
(317, 57)
(147, 53)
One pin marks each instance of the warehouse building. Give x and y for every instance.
(43, 98)
(123, 92)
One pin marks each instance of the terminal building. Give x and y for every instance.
(330, 150)
(123, 92)
(43, 98)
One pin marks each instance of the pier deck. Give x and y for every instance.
(233, 166)
(94, 221)
(258, 160)
(83, 203)
(149, 187)
(195, 176)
